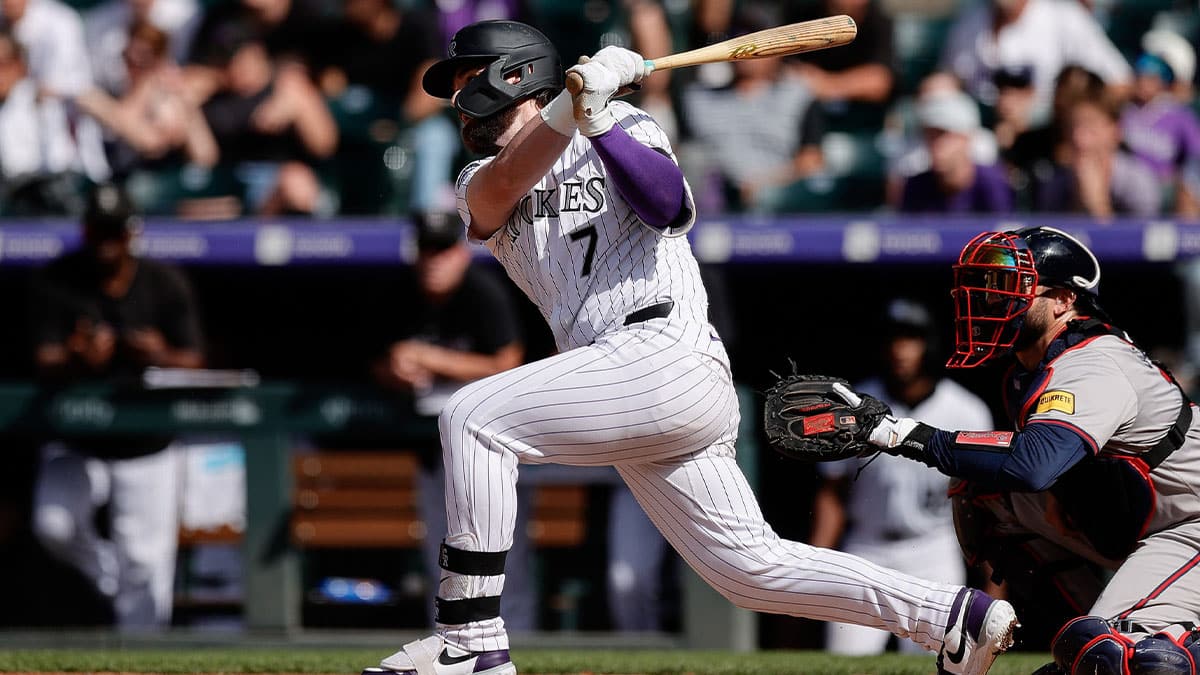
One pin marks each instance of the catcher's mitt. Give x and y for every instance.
(816, 418)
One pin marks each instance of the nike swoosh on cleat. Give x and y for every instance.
(447, 660)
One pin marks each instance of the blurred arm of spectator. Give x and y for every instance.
(712, 17)
(861, 71)
(155, 116)
(418, 105)
(870, 82)
(413, 364)
(829, 513)
(296, 103)
(652, 39)
(87, 348)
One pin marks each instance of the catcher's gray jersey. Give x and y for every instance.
(1108, 391)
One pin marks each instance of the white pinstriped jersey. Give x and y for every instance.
(581, 254)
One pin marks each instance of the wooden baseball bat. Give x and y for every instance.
(794, 38)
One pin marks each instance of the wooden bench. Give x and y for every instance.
(368, 499)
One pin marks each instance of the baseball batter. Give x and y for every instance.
(581, 200)
(1104, 465)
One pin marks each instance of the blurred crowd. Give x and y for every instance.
(228, 108)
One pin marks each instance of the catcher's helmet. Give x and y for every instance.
(507, 48)
(994, 284)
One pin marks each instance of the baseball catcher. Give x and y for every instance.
(1102, 470)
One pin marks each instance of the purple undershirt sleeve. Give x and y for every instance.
(649, 181)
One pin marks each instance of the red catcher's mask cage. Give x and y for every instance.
(994, 282)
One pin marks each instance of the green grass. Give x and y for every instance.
(209, 660)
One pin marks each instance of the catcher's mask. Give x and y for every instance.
(506, 48)
(995, 282)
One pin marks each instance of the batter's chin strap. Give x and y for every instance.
(470, 563)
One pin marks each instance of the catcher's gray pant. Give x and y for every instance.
(1157, 587)
(135, 566)
(656, 401)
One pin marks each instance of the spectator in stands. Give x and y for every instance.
(1030, 152)
(51, 33)
(103, 312)
(1041, 35)
(39, 164)
(154, 123)
(911, 154)
(1015, 98)
(892, 512)
(271, 125)
(1098, 177)
(861, 71)
(381, 51)
(459, 325)
(289, 30)
(1158, 127)
(955, 182)
(760, 135)
(107, 31)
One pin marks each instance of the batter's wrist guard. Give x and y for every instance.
(469, 564)
(559, 114)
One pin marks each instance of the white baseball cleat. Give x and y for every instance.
(432, 656)
(980, 628)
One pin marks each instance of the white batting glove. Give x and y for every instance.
(559, 114)
(628, 65)
(591, 103)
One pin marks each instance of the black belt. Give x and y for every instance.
(660, 311)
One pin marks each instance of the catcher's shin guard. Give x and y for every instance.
(1088, 644)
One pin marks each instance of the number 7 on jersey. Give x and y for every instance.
(590, 233)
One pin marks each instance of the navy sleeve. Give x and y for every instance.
(1037, 457)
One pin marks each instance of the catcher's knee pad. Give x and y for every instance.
(1088, 644)
(1191, 642)
(1160, 655)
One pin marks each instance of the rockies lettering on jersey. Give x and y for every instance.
(575, 247)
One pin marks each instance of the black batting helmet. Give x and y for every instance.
(507, 48)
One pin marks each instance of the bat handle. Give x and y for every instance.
(575, 82)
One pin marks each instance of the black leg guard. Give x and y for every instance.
(469, 563)
(1088, 644)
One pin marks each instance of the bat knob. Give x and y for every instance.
(574, 83)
